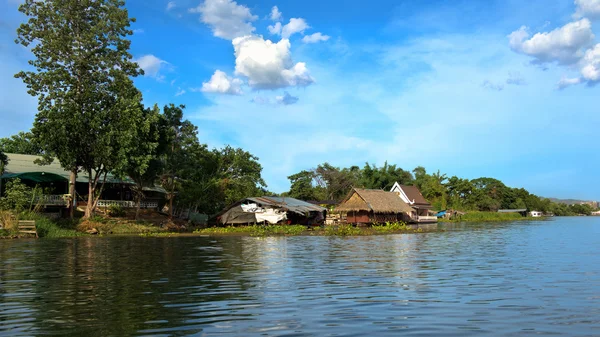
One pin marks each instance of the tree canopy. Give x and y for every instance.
(21, 143)
(81, 74)
(481, 194)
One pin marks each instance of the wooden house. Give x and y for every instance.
(422, 209)
(363, 206)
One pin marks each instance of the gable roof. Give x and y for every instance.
(413, 193)
(378, 201)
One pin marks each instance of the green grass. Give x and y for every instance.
(255, 230)
(50, 228)
(342, 230)
(486, 216)
(294, 230)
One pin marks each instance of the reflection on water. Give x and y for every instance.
(511, 279)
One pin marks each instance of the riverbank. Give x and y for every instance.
(477, 216)
(157, 225)
(296, 230)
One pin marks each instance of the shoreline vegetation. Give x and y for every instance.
(112, 147)
(103, 226)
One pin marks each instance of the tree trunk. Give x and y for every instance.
(138, 202)
(73, 200)
(90, 203)
(172, 197)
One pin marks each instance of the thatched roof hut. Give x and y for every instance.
(376, 201)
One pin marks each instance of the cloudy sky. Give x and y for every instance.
(496, 88)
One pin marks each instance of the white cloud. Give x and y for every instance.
(587, 8)
(227, 19)
(180, 92)
(152, 66)
(268, 65)
(275, 14)
(138, 31)
(261, 100)
(314, 38)
(220, 83)
(275, 29)
(492, 86)
(515, 79)
(567, 82)
(590, 67)
(171, 5)
(563, 45)
(296, 25)
(286, 99)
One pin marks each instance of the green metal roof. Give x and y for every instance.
(19, 164)
(38, 177)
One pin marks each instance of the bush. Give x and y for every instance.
(490, 216)
(342, 230)
(6, 218)
(116, 211)
(255, 230)
(18, 196)
(391, 227)
(48, 228)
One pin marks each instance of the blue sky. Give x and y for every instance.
(502, 89)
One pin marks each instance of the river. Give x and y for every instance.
(498, 279)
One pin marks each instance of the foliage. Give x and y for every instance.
(391, 227)
(342, 230)
(17, 196)
(116, 211)
(3, 162)
(481, 194)
(81, 76)
(21, 143)
(476, 216)
(302, 187)
(7, 220)
(143, 161)
(51, 228)
(255, 230)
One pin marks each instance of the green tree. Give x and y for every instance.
(180, 138)
(302, 187)
(143, 165)
(81, 75)
(335, 181)
(383, 177)
(21, 143)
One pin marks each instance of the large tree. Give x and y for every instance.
(81, 73)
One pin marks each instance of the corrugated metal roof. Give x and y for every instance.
(291, 204)
(520, 210)
(24, 163)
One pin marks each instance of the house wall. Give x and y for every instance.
(358, 217)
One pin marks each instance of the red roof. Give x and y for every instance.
(413, 194)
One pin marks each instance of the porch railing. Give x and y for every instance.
(51, 200)
(127, 203)
(426, 218)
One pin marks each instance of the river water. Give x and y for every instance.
(500, 279)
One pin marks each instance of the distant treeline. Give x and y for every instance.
(327, 182)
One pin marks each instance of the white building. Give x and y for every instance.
(536, 214)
